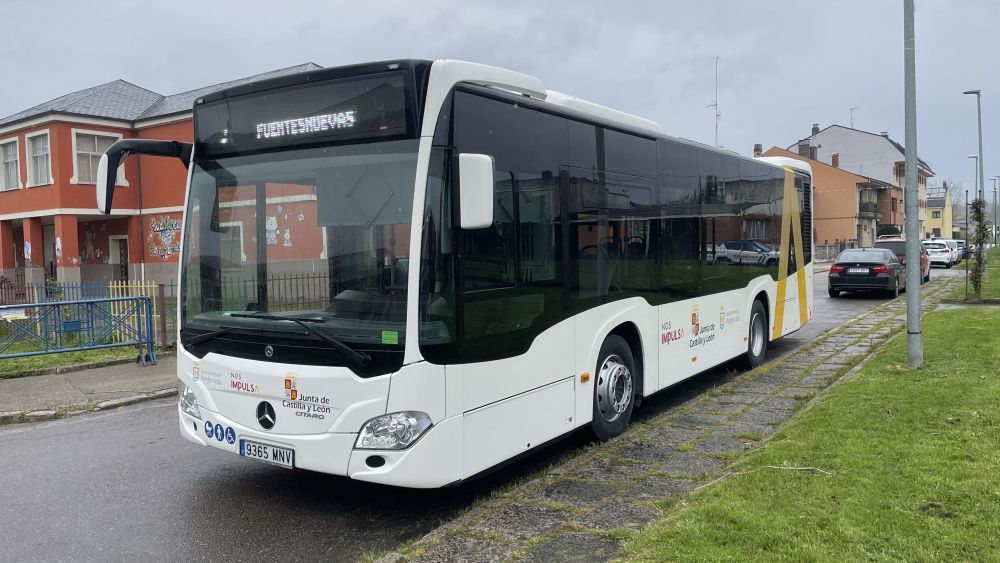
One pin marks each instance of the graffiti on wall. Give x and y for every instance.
(164, 237)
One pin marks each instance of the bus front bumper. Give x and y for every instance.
(434, 460)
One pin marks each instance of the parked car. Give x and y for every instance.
(964, 248)
(867, 269)
(939, 253)
(898, 245)
(745, 252)
(956, 252)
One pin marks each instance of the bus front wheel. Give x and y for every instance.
(614, 388)
(757, 335)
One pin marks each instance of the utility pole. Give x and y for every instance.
(914, 338)
(715, 104)
(995, 178)
(852, 116)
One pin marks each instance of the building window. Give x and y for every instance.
(88, 146)
(11, 178)
(935, 214)
(39, 164)
(893, 205)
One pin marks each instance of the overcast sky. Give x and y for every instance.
(783, 66)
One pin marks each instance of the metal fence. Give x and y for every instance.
(31, 329)
(828, 252)
(286, 292)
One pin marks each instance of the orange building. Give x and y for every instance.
(49, 224)
(848, 208)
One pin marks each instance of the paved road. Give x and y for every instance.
(122, 485)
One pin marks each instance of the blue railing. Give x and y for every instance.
(74, 325)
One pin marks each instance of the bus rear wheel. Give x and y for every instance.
(757, 335)
(614, 388)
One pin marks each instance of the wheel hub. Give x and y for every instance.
(614, 388)
(757, 334)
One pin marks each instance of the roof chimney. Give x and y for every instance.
(758, 149)
(813, 152)
(835, 160)
(815, 128)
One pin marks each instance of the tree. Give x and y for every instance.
(979, 238)
(887, 230)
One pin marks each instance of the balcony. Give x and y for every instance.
(868, 210)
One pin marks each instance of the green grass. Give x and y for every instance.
(912, 457)
(30, 365)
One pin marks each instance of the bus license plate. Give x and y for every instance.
(285, 457)
(857, 270)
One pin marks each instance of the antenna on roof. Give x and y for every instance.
(852, 116)
(715, 104)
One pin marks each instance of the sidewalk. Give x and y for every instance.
(40, 397)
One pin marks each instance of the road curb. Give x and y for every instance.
(75, 367)
(43, 415)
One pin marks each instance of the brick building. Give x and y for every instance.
(847, 207)
(872, 155)
(49, 224)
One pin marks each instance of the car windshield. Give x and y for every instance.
(322, 233)
(862, 256)
(897, 246)
(935, 245)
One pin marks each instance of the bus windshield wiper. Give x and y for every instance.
(198, 339)
(359, 357)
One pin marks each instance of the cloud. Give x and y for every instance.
(783, 64)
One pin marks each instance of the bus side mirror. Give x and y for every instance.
(107, 177)
(475, 190)
(107, 168)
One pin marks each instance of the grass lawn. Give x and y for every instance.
(991, 283)
(913, 460)
(28, 365)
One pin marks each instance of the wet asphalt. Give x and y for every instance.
(123, 485)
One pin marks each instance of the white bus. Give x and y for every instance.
(411, 272)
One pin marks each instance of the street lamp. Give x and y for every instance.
(975, 167)
(979, 114)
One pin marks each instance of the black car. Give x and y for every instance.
(867, 269)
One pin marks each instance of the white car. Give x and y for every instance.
(939, 252)
(745, 252)
(956, 250)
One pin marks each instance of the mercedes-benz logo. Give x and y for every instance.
(265, 415)
(268, 350)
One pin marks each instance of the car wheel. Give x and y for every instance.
(927, 278)
(833, 292)
(614, 388)
(756, 336)
(948, 265)
(894, 292)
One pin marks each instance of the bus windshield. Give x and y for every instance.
(320, 234)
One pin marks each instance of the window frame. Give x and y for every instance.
(17, 161)
(31, 157)
(75, 178)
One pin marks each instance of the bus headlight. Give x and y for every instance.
(187, 401)
(394, 431)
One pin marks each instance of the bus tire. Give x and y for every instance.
(756, 335)
(614, 388)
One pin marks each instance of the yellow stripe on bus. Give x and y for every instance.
(791, 228)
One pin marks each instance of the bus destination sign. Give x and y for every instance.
(307, 125)
(332, 111)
